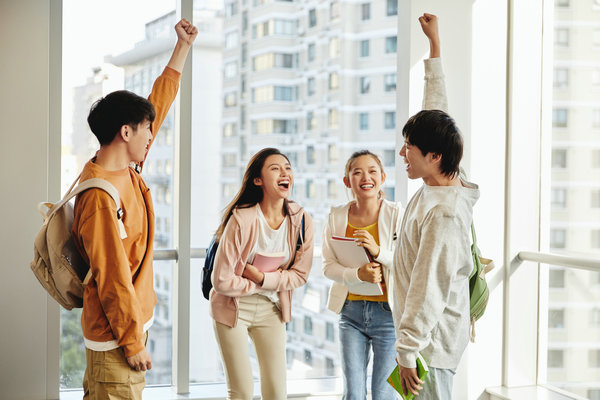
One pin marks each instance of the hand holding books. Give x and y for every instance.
(408, 381)
(262, 263)
(351, 255)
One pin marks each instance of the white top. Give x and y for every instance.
(271, 240)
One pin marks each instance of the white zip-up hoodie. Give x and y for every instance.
(388, 225)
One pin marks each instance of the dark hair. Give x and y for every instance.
(361, 153)
(434, 131)
(110, 113)
(250, 194)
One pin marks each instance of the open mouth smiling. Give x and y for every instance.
(285, 185)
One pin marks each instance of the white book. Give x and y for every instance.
(350, 255)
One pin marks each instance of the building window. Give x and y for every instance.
(229, 160)
(392, 7)
(334, 10)
(365, 84)
(365, 11)
(334, 80)
(561, 37)
(312, 18)
(308, 357)
(595, 202)
(334, 47)
(273, 93)
(389, 119)
(559, 198)
(229, 190)
(283, 93)
(269, 126)
(594, 358)
(558, 238)
(363, 121)
(364, 48)
(389, 193)
(310, 189)
(242, 117)
(243, 86)
(310, 155)
(561, 78)
(556, 319)
(333, 118)
(556, 278)
(555, 358)
(230, 69)
(332, 189)
(284, 27)
(244, 55)
(593, 394)
(244, 22)
(333, 153)
(311, 122)
(231, 9)
(389, 82)
(389, 158)
(596, 158)
(595, 239)
(308, 326)
(231, 40)
(559, 158)
(230, 99)
(391, 43)
(559, 118)
(311, 52)
(562, 3)
(329, 367)
(310, 86)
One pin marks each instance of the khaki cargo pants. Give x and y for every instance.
(109, 376)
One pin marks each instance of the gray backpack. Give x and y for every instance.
(57, 263)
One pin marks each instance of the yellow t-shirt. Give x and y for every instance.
(372, 229)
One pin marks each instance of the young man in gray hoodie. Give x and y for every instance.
(433, 259)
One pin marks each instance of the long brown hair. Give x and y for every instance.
(250, 194)
(361, 153)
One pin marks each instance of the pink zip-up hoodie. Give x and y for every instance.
(235, 245)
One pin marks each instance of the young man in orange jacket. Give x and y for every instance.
(119, 300)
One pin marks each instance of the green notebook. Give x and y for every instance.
(396, 382)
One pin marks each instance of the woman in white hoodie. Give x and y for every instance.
(365, 321)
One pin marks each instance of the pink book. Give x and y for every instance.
(268, 262)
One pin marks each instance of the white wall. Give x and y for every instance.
(24, 101)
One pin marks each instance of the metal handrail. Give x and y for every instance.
(586, 263)
(173, 254)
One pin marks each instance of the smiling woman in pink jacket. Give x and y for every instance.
(245, 302)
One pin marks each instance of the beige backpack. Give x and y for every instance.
(57, 263)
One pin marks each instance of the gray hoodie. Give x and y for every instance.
(432, 264)
(432, 261)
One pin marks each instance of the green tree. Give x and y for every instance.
(72, 349)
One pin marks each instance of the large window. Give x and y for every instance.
(574, 223)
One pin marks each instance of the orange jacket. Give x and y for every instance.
(118, 302)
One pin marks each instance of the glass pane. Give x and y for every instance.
(313, 349)
(574, 296)
(101, 53)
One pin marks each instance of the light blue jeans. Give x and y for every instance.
(438, 385)
(365, 325)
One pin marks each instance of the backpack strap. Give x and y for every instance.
(98, 183)
(300, 240)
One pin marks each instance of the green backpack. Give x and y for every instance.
(478, 288)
